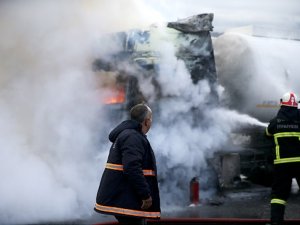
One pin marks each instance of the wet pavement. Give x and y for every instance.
(252, 203)
(248, 203)
(245, 203)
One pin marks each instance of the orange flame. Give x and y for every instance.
(117, 96)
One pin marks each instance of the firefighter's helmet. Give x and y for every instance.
(289, 99)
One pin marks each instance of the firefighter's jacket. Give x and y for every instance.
(130, 174)
(285, 129)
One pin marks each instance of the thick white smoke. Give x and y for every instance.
(189, 127)
(51, 117)
(257, 71)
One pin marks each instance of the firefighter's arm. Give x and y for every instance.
(270, 129)
(268, 133)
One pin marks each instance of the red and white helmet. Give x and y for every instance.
(289, 99)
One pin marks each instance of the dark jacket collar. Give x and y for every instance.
(127, 124)
(289, 113)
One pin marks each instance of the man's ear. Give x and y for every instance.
(146, 122)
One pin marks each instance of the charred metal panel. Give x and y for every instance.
(137, 54)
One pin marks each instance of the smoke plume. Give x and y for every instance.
(189, 126)
(52, 119)
(51, 114)
(256, 72)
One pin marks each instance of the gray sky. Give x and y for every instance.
(108, 15)
(267, 13)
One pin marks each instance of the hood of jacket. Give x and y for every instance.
(289, 113)
(127, 124)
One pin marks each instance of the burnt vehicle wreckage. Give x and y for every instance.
(193, 42)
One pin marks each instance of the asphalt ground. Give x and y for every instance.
(234, 206)
(237, 206)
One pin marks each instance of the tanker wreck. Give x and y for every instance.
(137, 55)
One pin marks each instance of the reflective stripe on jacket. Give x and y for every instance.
(128, 212)
(129, 176)
(286, 159)
(119, 167)
(278, 201)
(285, 150)
(285, 129)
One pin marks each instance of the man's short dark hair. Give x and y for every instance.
(139, 112)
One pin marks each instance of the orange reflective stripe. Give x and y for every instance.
(119, 167)
(129, 212)
(149, 172)
(114, 166)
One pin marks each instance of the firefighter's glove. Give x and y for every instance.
(147, 203)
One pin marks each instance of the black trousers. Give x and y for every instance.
(281, 188)
(129, 220)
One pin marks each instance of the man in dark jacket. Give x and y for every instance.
(129, 188)
(285, 130)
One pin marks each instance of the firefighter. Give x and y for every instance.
(285, 130)
(129, 188)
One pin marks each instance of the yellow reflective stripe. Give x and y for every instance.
(287, 160)
(129, 212)
(267, 132)
(277, 148)
(119, 167)
(287, 134)
(278, 201)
